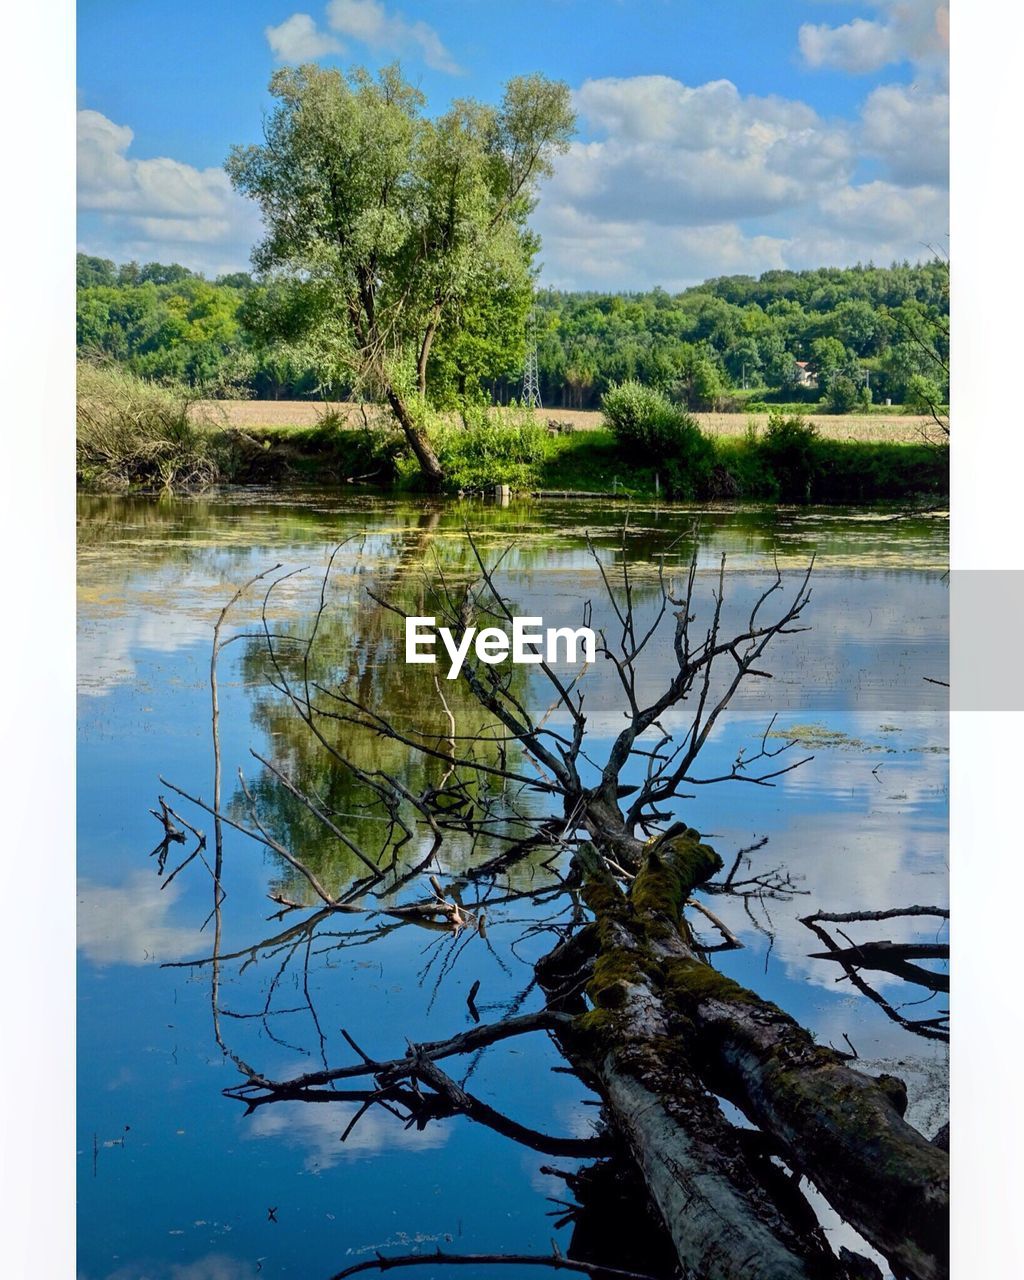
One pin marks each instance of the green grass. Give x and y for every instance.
(594, 462)
(842, 471)
(483, 452)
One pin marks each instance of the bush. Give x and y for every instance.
(647, 424)
(489, 448)
(133, 434)
(843, 395)
(789, 448)
(640, 416)
(924, 395)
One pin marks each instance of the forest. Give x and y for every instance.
(866, 334)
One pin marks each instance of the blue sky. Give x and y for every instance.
(712, 139)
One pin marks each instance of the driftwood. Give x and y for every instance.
(553, 1261)
(895, 958)
(664, 1023)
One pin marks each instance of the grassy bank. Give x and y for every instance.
(133, 436)
(592, 462)
(837, 471)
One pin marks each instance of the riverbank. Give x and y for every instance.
(137, 436)
(593, 462)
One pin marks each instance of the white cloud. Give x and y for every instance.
(318, 1130)
(694, 156)
(881, 212)
(370, 22)
(583, 251)
(110, 641)
(109, 180)
(669, 184)
(157, 208)
(911, 30)
(908, 127)
(676, 183)
(858, 46)
(128, 923)
(893, 855)
(298, 39)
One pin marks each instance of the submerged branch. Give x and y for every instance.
(555, 1261)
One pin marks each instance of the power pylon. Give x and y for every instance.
(531, 375)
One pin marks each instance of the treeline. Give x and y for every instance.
(858, 334)
(843, 338)
(165, 322)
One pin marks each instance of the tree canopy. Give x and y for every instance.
(707, 342)
(383, 224)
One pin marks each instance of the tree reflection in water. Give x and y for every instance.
(384, 781)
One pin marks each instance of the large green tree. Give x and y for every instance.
(395, 221)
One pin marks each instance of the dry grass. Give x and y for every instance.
(133, 434)
(893, 429)
(897, 428)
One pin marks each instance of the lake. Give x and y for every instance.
(176, 1181)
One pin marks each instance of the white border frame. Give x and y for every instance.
(37, 581)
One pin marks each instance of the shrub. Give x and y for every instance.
(646, 423)
(789, 448)
(923, 394)
(133, 434)
(640, 416)
(488, 448)
(843, 395)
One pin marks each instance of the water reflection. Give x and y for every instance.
(860, 828)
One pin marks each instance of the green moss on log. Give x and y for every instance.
(669, 874)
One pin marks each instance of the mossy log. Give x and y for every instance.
(666, 1032)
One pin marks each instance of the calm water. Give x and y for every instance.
(175, 1181)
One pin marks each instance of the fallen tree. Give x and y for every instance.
(631, 998)
(663, 1021)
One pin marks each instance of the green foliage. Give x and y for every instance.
(924, 394)
(788, 450)
(482, 344)
(132, 434)
(276, 336)
(646, 422)
(829, 357)
(746, 328)
(184, 330)
(701, 382)
(791, 462)
(594, 462)
(516, 453)
(396, 223)
(332, 451)
(639, 415)
(866, 471)
(843, 394)
(485, 449)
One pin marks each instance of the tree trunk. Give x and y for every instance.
(425, 455)
(723, 1222)
(424, 353)
(667, 1030)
